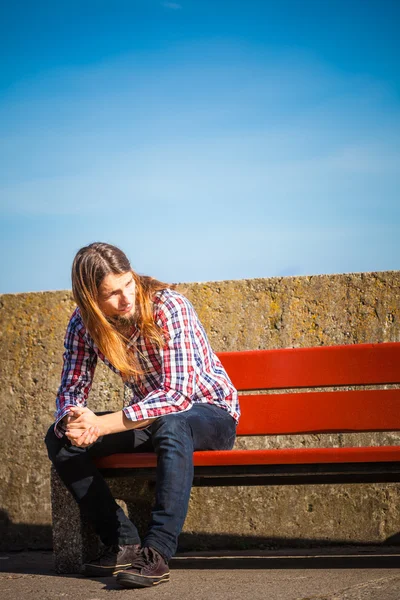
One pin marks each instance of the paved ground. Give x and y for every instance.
(358, 574)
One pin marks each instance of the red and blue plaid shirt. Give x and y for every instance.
(183, 372)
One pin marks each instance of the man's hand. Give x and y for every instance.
(87, 438)
(83, 427)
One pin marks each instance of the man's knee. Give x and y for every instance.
(172, 426)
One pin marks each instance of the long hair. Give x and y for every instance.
(91, 264)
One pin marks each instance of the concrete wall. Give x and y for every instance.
(238, 315)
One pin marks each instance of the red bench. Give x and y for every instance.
(331, 410)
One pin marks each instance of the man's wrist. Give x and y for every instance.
(103, 426)
(111, 423)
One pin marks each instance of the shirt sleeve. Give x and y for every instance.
(77, 372)
(178, 363)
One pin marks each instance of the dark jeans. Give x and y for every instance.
(174, 438)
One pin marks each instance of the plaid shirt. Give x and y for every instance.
(185, 371)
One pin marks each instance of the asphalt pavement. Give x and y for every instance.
(323, 574)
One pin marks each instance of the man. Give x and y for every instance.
(182, 400)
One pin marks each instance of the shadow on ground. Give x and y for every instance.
(41, 562)
(23, 536)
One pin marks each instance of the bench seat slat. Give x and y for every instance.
(285, 456)
(320, 412)
(314, 367)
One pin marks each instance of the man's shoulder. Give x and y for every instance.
(170, 300)
(76, 324)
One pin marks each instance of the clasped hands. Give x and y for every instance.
(83, 427)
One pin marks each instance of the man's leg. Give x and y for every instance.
(76, 469)
(175, 437)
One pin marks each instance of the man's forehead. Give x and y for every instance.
(114, 281)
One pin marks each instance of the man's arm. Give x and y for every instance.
(84, 427)
(77, 373)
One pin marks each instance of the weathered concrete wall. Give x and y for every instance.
(238, 315)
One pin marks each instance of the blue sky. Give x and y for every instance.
(209, 139)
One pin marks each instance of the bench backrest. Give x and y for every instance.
(319, 367)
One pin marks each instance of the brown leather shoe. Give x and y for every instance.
(148, 569)
(111, 560)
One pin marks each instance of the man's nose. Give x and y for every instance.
(125, 298)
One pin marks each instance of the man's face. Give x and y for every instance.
(117, 296)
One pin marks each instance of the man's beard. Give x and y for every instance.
(123, 324)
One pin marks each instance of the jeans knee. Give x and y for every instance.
(172, 427)
(174, 423)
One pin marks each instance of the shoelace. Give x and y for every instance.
(147, 557)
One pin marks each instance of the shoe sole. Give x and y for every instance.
(99, 571)
(129, 580)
